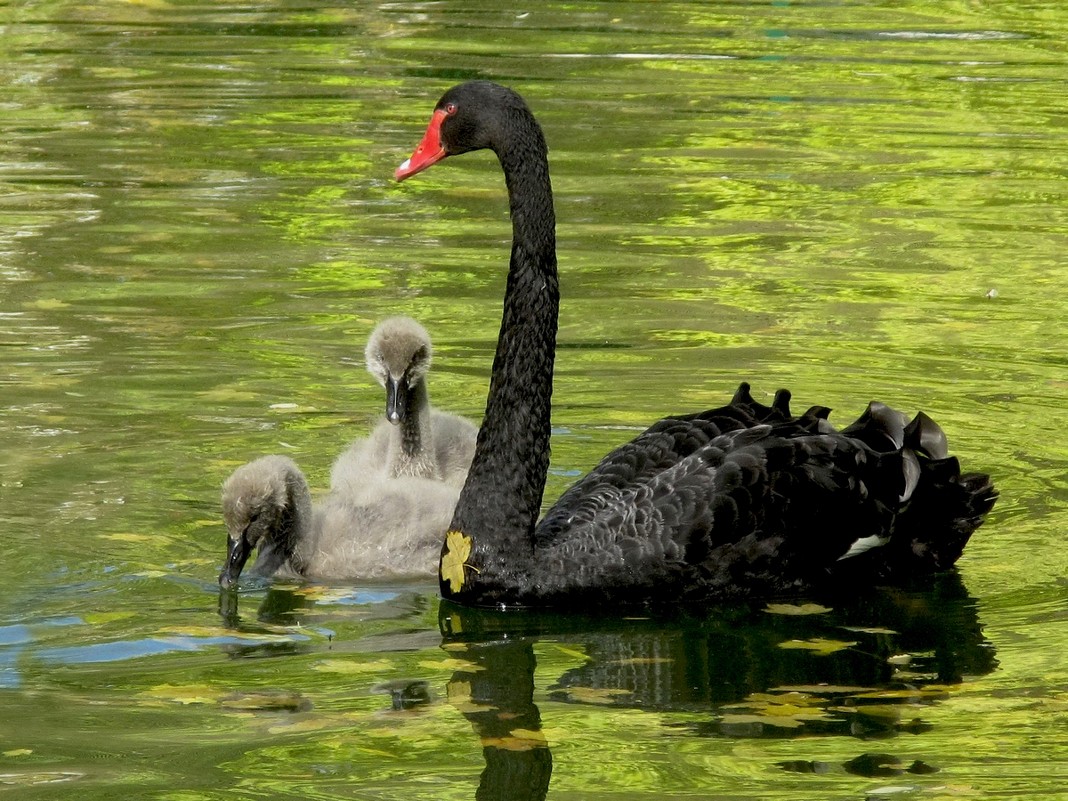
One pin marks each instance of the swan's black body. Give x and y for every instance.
(741, 500)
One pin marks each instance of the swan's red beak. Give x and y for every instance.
(429, 151)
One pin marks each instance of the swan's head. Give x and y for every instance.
(398, 356)
(471, 116)
(260, 503)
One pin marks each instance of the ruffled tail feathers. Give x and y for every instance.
(938, 507)
(940, 519)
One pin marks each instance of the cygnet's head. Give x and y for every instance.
(398, 356)
(260, 503)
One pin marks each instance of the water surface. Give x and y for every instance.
(199, 228)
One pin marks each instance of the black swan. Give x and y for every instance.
(392, 529)
(726, 503)
(415, 439)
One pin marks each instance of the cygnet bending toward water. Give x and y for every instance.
(415, 440)
(396, 533)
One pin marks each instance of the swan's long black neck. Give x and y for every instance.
(501, 500)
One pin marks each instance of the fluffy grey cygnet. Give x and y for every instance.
(395, 530)
(415, 439)
(392, 494)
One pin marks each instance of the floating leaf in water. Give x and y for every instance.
(451, 663)
(352, 666)
(787, 710)
(935, 691)
(129, 536)
(102, 618)
(820, 689)
(183, 693)
(888, 713)
(517, 740)
(459, 695)
(458, 690)
(324, 595)
(891, 790)
(220, 632)
(596, 695)
(226, 395)
(796, 609)
(47, 304)
(869, 630)
(819, 645)
(763, 720)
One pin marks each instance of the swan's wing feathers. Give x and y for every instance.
(925, 435)
(613, 536)
(767, 508)
(659, 448)
(880, 427)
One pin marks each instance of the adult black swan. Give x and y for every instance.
(730, 502)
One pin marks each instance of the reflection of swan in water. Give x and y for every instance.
(726, 673)
(901, 646)
(891, 640)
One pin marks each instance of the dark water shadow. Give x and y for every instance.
(865, 669)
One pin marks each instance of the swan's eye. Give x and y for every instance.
(450, 109)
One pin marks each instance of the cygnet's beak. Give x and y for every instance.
(396, 399)
(237, 553)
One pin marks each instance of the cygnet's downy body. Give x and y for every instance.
(392, 494)
(415, 439)
(394, 534)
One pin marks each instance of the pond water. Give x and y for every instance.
(199, 228)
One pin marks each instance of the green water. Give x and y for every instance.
(199, 228)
